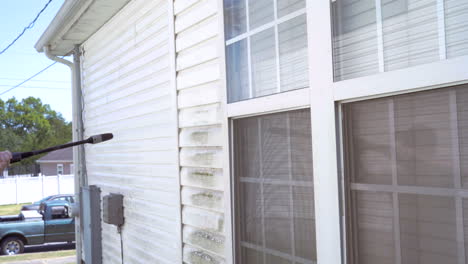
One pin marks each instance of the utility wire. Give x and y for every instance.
(23, 82)
(38, 87)
(48, 81)
(26, 28)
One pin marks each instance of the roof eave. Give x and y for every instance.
(75, 22)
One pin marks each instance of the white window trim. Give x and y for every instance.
(284, 101)
(325, 94)
(422, 77)
(279, 102)
(322, 96)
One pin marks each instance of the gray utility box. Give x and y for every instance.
(112, 211)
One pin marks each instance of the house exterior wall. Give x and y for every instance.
(199, 86)
(49, 169)
(128, 90)
(169, 156)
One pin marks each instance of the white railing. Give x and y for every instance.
(15, 190)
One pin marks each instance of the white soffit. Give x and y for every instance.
(75, 22)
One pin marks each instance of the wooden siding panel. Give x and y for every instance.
(127, 90)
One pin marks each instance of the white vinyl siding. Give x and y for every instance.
(128, 91)
(200, 124)
(372, 36)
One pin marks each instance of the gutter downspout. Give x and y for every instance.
(78, 128)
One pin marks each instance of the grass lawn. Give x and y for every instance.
(11, 209)
(32, 256)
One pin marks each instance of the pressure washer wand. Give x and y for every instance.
(18, 156)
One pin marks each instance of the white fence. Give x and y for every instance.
(17, 190)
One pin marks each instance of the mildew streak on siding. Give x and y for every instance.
(200, 135)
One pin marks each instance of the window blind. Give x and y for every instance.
(372, 36)
(405, 174)
(274, 189)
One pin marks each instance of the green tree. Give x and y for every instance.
(29, 125)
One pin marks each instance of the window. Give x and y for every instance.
(274, 194)
(59, 169)
(266, 47)
(406, 178)
(372, 36)
(59, 212)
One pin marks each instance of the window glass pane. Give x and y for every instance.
(275, 211)
(355, 39)
(292, 36)
(423, 139)
(304, 222)
(428, 229)
(465, 225)
(263, 63)
(235, 20)
(373, 237)
(462, 118)
(410, 33)
(247, 150)
(251, 213)
(456, 26)
(275, 142)
(260, 12)
(288, 6)
(278, 217)
(237, 71)
(368, 125)
(301, 142)
(397, 34)
(251, 255)
(273, 54)
(276, 259)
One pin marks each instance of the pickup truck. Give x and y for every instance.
(55, 225)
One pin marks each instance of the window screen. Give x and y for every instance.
(372, 36)
(274, 189)
(406, 178)
(266, 47)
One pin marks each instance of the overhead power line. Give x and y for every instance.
(26, 28)
(40, 87)
(48, 81)
(23, 82)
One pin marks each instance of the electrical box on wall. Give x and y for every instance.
(112, 211)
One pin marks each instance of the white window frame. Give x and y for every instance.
(278, 102)
(327, 97)
(247, 35)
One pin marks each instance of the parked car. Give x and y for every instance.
(56, 225)
(61, 197)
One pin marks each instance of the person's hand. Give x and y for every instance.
(5, 157)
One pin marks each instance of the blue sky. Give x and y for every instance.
(22, 61)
